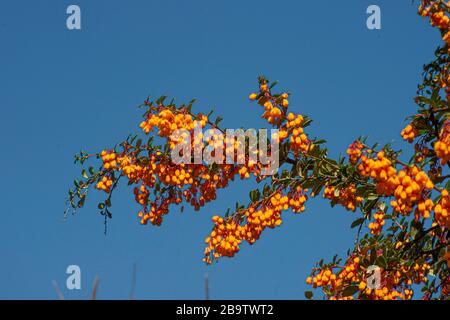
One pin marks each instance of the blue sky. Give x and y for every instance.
(62, 91)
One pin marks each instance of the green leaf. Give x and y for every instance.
(373, 256)
(382, 206)
(372, 197)
(357, 222)
(218, 119)
(254, 195)
(349, 291)
(308, 295)
(273, 84)
(381, 262)
(138, 143)
(318, 187)
(161, 100)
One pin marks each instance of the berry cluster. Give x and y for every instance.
(411, 186)
(442, 146)
(289, 124)
(354, 151)
(228, 233)
(376, 226)
(440, 20)
(381, 170)
(395, 283)
(442, 209)
(346, 197)
(409, 133)
(109, 159)
(104, 184)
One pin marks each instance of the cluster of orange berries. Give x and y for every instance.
(407, 186)
(105, 184)
(346, 197)
(438, 17)
(411, 185)
(299, 140)
(440, 20)
(272, 113)
(333, 280)
(424, 208)
(341, 298)
(376, 226)
(325, 277)
(442, 209)
(132, 170)
(175, 175)
(395, 284)
(297, 199)
(168, 121)
(354, 151)
(294, 122)
(223, 240)
(385, 294)
(417, 273)
(141, 195)
(156, 212)
(381, 170)
(201, 183)
(403, 277)
(227, 234)
(109, 160)
(147, 175)
(351, 271)
(275, 111)
(198, 181)
(267, 215)
(244, 173)
(442, 146)
(409, 133)
(273, 106)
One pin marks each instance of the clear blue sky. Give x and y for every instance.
(62, 91)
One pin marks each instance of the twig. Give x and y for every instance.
(206, 287)
(58, 290)
(95, 287)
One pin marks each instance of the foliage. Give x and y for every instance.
(405, 205)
